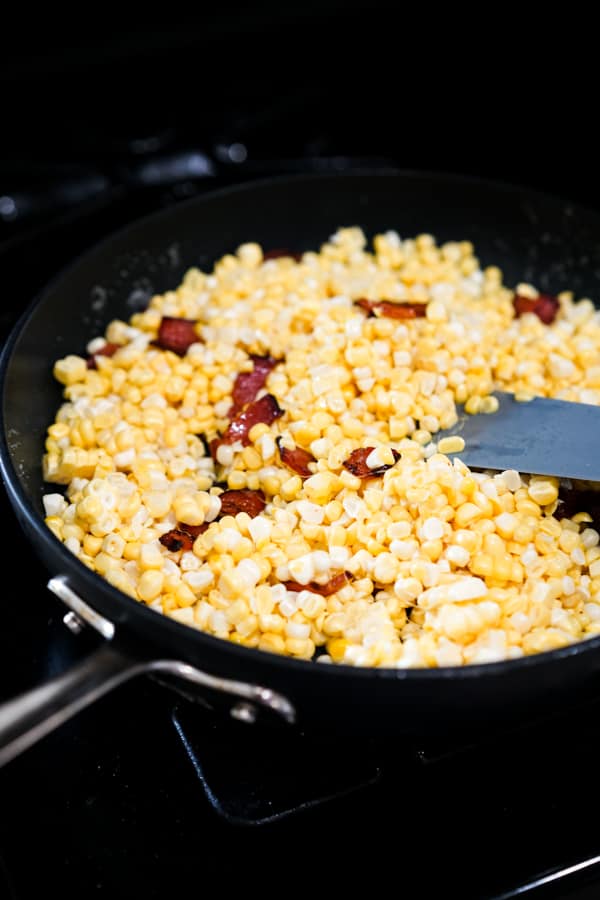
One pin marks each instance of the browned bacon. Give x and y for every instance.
(334, 584)
(357, 463)
(278, 253)
(391, 309)
(245, 500)
(248, 384)
(177, 334)
(297, 459)
(543, 306)
(265, 410)
(182, 537)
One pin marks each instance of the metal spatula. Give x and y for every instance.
(542, 437)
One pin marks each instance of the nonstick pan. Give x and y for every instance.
(532, 237)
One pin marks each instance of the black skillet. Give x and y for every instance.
(532, 237)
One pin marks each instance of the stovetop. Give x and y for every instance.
(146, 793)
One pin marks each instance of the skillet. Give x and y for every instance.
(531, 236)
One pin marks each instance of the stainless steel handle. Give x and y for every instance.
(29, 717)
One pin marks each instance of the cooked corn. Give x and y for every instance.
(443, 566)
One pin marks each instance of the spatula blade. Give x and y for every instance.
(542, 437)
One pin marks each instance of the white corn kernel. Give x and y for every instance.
(54, 504)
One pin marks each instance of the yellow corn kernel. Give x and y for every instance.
(337, 648)
(473, 405)
(273, 643)
(466, 514)
(523, 534)
(70, 370)
(90, 508)
(303, 648)
(132, 550)
(158, 503)
(291, 488)
(257, 431)
(188, 510)
(184, 595)
(578, 518)
(321, 487)
(119, 579)
(452, 444)
(236, 480)
(150, 585)
(482, 564)
(467, 539)
(543, 490)
(91, 545)
(103, 562)
(72, 531)
(55, 524)
(251, 458)
(150, 557)
(489, 405)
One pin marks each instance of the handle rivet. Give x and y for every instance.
(73, 622)
(244, 712)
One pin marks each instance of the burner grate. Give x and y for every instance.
(252, 779)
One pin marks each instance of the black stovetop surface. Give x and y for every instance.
(145, 794)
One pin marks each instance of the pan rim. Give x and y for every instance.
(157, 622)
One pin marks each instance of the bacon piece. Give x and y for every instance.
(278, 253)
(177, 334)
(297, 459)
(108, 350)
(245, 500)
(248, 384)
(182, 537)
(265, 410)
(544, 306)
(334, 584)
(392, 310)
(357, 463)
(175, 540)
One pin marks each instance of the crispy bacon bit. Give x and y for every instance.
(297, 459)
(392, 310)
(334, 584)
(248, 384)
(357, 463)
(177, 334)
(277, 254)
(234, 502)
(544, 306)
(265, 410)
(182, 537)
(108, 350)
(175, 540)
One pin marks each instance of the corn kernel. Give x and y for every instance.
(454, 444)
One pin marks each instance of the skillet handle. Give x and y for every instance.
(32, 715)
(36, 713)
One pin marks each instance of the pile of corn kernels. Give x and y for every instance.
(443, 565)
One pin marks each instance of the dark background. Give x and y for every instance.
(476, 91)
